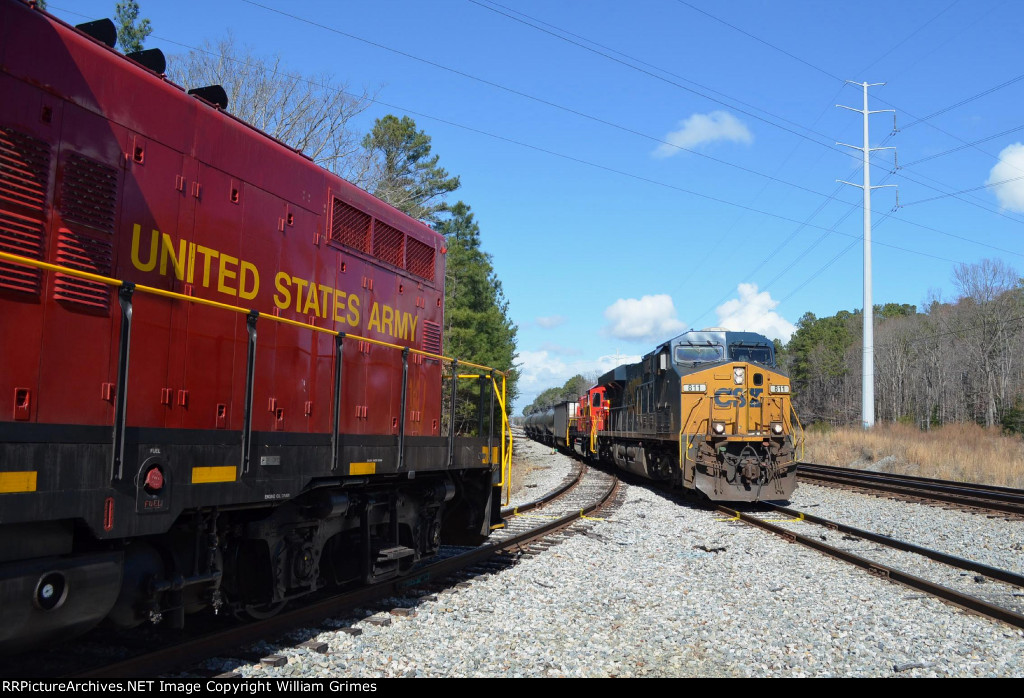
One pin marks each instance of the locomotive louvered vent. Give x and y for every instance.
(419, 259)
(24, 170)
(432, 337)
(21, 236)
(387, 243)
(88, 194)
(85, 254)
(350, 226)
(24, 177)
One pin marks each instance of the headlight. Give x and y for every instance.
(718, 427)
(777, 428)
(738, 375)
(779, 388)
(695, 388)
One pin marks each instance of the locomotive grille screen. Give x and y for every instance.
(24, 177)
(388, 243)
(24, 237)
(432, 337)
(419, 259)
(350, 226)
(88, 193)
(85, 254)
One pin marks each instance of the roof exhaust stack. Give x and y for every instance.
(214, 94)
(103, 30)
(152, 58)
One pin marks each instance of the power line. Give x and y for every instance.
(919, 120)
(532, 24)
(964, 191)
(964, 146)
(579, 160)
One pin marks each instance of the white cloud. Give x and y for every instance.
(649, 319)
(704, 128)
(552, 321)
(540, 370)
(1010, 166)
(753, 312)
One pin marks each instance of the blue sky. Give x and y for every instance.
(563, 120)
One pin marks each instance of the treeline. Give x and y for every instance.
(954, 362)
(957, 361)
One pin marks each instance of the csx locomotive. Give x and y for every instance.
(706, 411)
(221, 367)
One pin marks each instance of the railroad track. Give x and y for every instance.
(988, 497)
(971, 585)
(530, 528)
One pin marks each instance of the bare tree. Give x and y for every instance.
(990, 307)
(309, 113)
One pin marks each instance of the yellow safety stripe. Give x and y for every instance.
(18, 481)
(215, 473)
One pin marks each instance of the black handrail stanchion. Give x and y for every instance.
(250, 374)
(451, 413)
(401, 420)
(124, 299)
(339, 345)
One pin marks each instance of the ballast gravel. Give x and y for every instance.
(663, 589)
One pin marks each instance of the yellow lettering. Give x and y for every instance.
(353, 311)
(312, 301)
(208, 256)
(299, 285)
(177, 261)
(283, 297)
(385, 320)
(374, 318)
(223, 273)
(248, 268)
(412, 333)
(339, 304)
(401, 324)
(136, 234)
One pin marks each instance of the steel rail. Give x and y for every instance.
(197, 649)
(964, 601)
(1002, 499)
(897, 544)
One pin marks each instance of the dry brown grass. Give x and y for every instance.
(962, 452)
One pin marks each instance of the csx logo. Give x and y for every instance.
(735, 397)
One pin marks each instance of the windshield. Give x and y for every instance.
(744, 352)
(687, 353)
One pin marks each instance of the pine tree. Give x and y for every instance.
(130, 35)
(477, 326)
(407, 176)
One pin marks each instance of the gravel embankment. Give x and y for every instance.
(660, 589)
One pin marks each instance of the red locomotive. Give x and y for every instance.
(222, 364)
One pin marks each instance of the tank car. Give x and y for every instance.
(222, 372)
(707, 411)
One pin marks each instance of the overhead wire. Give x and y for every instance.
(802, 224)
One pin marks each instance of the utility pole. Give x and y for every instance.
(867, 400)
